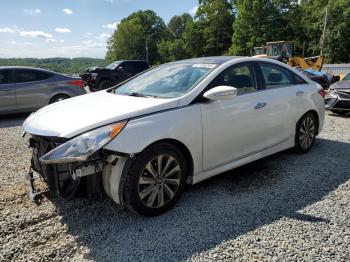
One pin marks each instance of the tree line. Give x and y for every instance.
(235, 27)
(60, 65)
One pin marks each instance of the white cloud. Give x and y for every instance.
(111, 25)
(41, 50)
(50, 40)
(92, 44)
(62, 30)
(32, 11)
(88, 35)
(193, 11)
(110, 1)
(39, 34)
(103, 36)
(6, 30)
(67, 11)
(61, 41)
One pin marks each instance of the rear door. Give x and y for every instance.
(7, 91)
(32, 88)
(284, 97)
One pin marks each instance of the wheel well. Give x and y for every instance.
(184, 150)
(60, 94)
(315, 114)
(106, 78)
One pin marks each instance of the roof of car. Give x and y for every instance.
(24, 67)
(209, 60)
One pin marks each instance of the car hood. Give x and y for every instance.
(342, 85)
(76, 115)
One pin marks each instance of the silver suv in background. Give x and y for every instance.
(26, 89)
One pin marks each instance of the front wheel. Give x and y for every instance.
(305, 133)
(156, 180)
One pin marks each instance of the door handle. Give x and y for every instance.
(260, 105)
(299, 93)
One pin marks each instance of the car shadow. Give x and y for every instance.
(12, 120)
(219, 209)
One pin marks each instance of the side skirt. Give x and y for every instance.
(267, 152)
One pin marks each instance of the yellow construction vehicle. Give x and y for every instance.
(284, 51)
(260, 51)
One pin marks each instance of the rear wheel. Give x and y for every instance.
(155, 180)
(58, 98)
(305, 133)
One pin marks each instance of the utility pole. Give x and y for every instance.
(324, 30)
(147, 48)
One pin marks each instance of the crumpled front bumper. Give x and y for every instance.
(337, 100)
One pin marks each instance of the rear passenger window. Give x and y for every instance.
(27, 75)
(5, 77)
(298, 80)
(275, 76)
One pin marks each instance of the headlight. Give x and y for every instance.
(83, 146)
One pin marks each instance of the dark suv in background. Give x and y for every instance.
(102, 78)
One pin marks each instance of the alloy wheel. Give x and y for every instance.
(159, 181)
(307, 132)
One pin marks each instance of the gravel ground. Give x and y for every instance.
(286, 207)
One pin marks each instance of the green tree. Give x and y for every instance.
(337, 37)
(173, 47)
(260, 21)
(138, 33)
(214, 18)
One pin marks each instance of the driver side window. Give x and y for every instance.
(239, 76)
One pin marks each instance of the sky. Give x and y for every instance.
(71, 28)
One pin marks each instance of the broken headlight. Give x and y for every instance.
(84, 145)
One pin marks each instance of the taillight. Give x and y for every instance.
(322, 93)
(77, 82)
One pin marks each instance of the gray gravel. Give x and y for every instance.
(286, 207)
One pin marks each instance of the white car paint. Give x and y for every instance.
(71, 117)
(219, 135)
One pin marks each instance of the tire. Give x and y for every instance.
(58, 98)
(152, 195)
(104, 84)
(305, 133)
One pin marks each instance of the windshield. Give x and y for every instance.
(166, 81)
(347, 77)
(113, 65)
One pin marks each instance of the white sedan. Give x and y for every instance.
(144, 140)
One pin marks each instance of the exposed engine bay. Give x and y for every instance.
(65, 180)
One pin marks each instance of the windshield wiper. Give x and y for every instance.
(139, 95)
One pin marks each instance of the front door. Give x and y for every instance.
(235, 128)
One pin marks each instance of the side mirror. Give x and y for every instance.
(221, 93)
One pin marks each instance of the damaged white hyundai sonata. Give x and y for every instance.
(142, 141)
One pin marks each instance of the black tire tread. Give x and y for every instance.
(131, 198)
